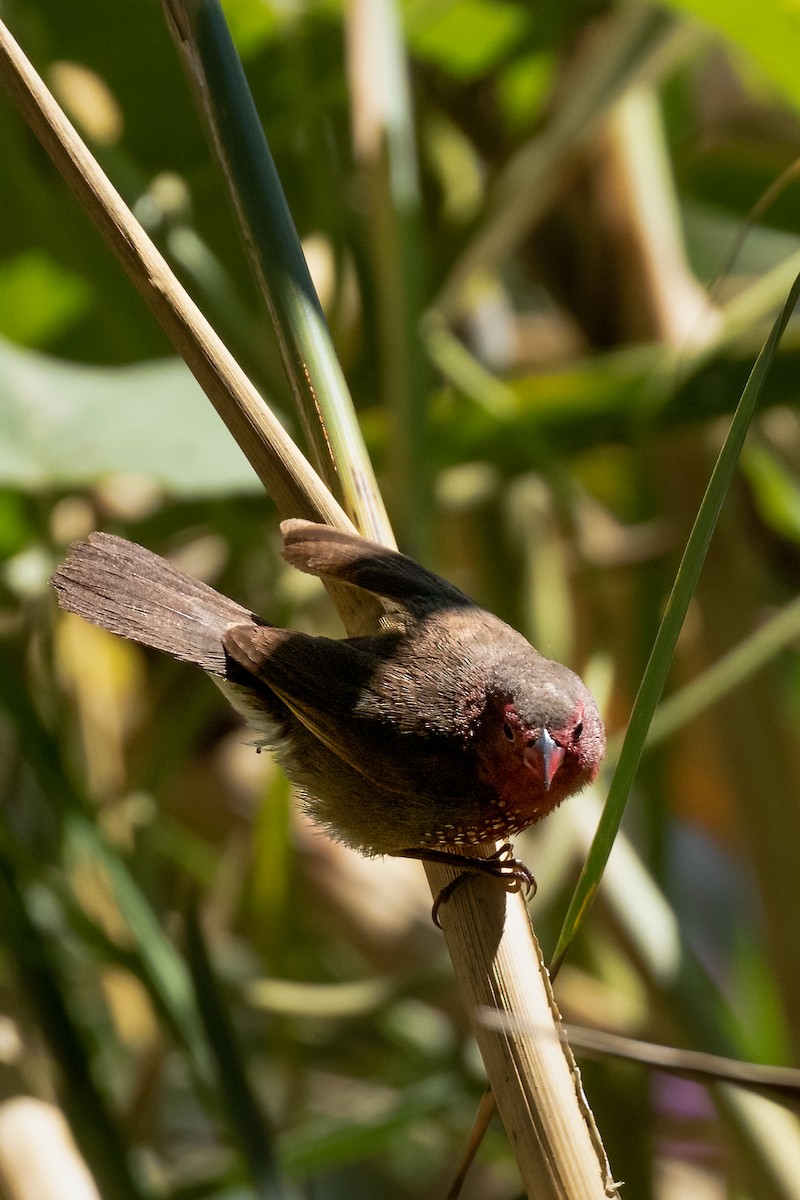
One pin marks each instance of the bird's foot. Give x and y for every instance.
(500, 865)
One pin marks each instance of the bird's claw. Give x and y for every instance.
(500, 865)
(513, 870)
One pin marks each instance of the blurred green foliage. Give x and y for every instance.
(568, 396)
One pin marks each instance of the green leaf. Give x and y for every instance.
(769, 32)
(655, 674)
(63, 425)
(775, 490)
(252, 24)
(38, 298)
(468, 38)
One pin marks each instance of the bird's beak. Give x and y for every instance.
(545, 757)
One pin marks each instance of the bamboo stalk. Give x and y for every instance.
(531, 1069)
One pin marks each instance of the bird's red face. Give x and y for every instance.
(532, 767)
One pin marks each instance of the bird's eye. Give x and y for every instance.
(508, 731)
(577, 731)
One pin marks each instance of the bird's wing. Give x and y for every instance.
(335, 554)
(325, 683)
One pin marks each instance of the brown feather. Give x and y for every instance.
(334, 554)
(131, 592)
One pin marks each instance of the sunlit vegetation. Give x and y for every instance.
(548, 266)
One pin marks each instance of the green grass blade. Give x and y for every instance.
(153, 956)
(276, 256)
(96, 1132)
(658, 666)
(384, 145)
(157, 962)
(247, 1121)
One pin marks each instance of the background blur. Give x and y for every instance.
(535, 254)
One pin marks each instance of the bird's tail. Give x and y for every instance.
(134, 593)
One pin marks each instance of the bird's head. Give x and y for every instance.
(539, 742)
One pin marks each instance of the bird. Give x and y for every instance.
(444, 729)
